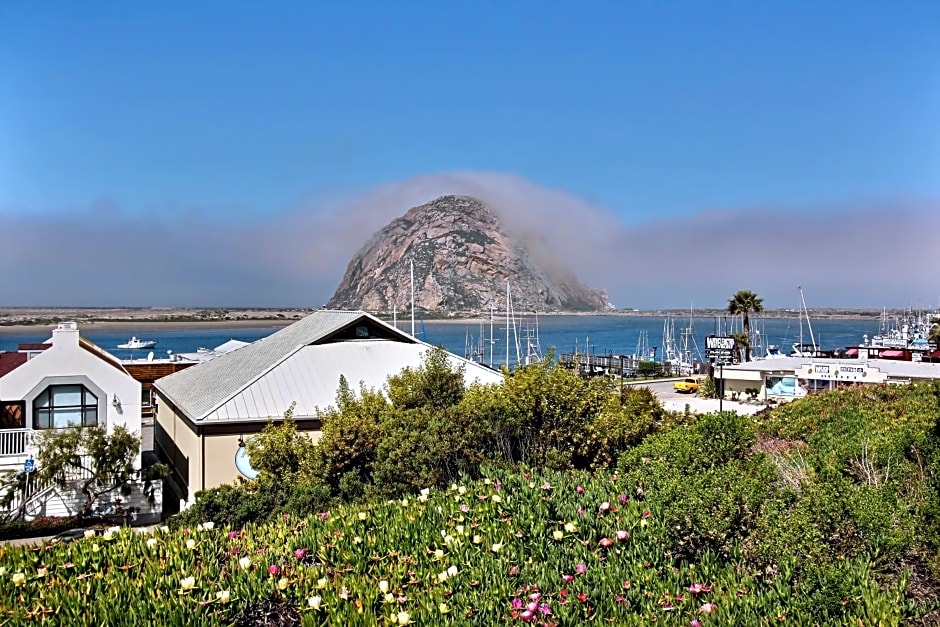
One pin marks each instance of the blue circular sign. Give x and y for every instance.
(243, 464)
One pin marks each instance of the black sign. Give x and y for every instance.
(719, 348)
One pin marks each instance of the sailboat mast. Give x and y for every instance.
(507, 324)
(492, 339)
(412, 266)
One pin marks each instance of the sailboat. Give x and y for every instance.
(801, 349)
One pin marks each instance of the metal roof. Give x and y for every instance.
(213, 390)
(891, 367)
(310, 377)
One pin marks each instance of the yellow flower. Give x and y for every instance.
(282, 583)
(438, 554)
(404, 618)
(19, 579)
(95, 548)
(222, 596)
(383, 586)
(558, 535)
(322, 582)
(188, 583)
(362, 515)
(442, 608)
(108, 535)
(314, 602)
(389, 598)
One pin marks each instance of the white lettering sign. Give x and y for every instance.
(714, 342)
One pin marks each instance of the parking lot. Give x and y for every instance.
(676, 401)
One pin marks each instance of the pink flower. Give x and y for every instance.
(696, 588)
(545, 610)
(613, 478)
(580, 569)
(234, 550)
(232, 534)
(580, 512)
(582, 597)
(517, 604)
(465, 508)
(567, 578)
(605, 543)
(535, 596)
(708, 608)
(324, 515)
(527, 616)
(546, 486)
(498, 485)
(605, 507)
(526, 475)
(695, 623)
(623, 499)
(623, 535)
(513, 570)
(531, 606)
(646, 513)
(300, 553)
(274, 570)
(579, 490)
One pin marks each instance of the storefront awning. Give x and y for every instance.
(891, 354)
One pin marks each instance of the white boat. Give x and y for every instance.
(136, 343)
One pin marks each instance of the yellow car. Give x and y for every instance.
(687, 386)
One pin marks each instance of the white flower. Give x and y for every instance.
(223, 596)
(389, 598)
(188, 583)
(165, 529)
(383, 586)
(208, 525)
(114, 529)
(424, 494)
(244, 562)
(322, 582)
(558, 534)
(282, 583)
(453, 486)
(95, 548)
(362, 515)
(90, 533)
(459, 530)
(442, 576)
(452, 571)
(108, 535)
(404, 618)
(448, 539)
(442, 608)
(496, 547)
(477, 539)
(151, 542)
(487, 481)
(462, 490)
(357, 540)
(496, 498)
(19, 579)
(314, 602)
(570, 527)
(190, 544)
(42, 572)
(438, 554)
(404, 502)
(3, 571)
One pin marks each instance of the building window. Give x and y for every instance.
(13, 415)
(61, 406)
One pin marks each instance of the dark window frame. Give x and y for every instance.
(6, 414)
(85, 408)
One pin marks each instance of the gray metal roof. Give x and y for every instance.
(198, 390)
(262, 379)
(310, 377)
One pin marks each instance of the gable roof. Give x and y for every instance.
(10, 361)
(199, 390)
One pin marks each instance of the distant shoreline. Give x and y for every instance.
(25, 320)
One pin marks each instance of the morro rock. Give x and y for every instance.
(463, 259)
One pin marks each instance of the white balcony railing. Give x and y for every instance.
(13, 441)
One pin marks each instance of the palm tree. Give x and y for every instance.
(743, 303)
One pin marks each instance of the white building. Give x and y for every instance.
(205, 412)
(66, 381)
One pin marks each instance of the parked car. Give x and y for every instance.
(686, 386)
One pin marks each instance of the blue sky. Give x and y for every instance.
(224, 116)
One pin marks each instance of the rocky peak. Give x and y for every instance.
(463, 259)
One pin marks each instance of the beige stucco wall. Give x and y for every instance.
(186, 441)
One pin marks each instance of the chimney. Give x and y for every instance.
(65, 335)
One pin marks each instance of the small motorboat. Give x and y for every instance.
(136, 342)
